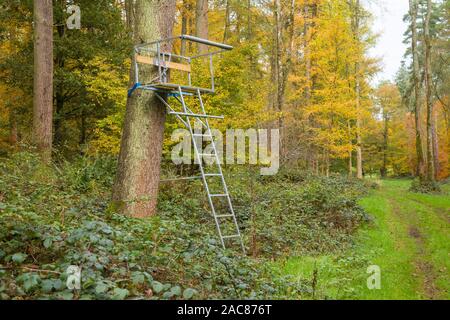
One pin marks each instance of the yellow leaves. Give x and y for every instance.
(107, 135)
(104, 82)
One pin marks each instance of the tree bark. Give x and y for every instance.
(434, 129)
(129, 14)
(226, 29)
(43, 78)
(356, 27)
(350, 153)
(59, 94)
(428, 93)
(184, 25)
(136, 185)
(413, 11)
(383, 170)
(201, 23)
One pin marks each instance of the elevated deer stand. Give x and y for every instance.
(180, 65)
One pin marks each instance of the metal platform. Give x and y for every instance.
(174, 88)
(170, 56)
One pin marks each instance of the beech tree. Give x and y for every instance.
(136, 185)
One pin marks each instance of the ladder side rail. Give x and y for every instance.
(186, 110)
(221, 175)
(200, 161)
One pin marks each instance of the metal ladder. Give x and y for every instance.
(185, 117)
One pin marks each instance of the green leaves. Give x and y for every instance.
(101, 288)
(137, 278)
(171, 256)
(18, 257)
(29, 281)
(48, 243)
(157, 286)
(120, 294)
(49, 285)
(188, 293)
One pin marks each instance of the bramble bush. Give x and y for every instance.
(54, 217)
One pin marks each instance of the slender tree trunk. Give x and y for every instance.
(356, 27)
(282, 62)
(413, 11)
(385, 144)
(356, 7)
(359, 168)
(434, 129)
(13, 135)
(307, 53)
(136, 186)
(310, 13)
(59, 94)
(428, 93)
(249, 32)
(129, 14)
(350, 153)
(83, 128)
(43, 78)
(201, 23)
(184, 25)
(226, 29)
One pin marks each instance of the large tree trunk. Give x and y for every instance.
(201, 23)
(43, 77)
(429, 100)
(136, 186)
(413, 11)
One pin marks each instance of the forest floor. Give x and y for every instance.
(409, 240)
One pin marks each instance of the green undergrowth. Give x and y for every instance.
(53, 217)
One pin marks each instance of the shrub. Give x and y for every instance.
(54, 217)
(424, 186)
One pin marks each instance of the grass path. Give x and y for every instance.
(409, 240)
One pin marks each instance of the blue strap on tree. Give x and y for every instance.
(135, 86)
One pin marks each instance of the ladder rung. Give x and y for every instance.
(213, 175)
(218, 195)
(233, 236)
(207, 154)
(224, 216)
(195, 115)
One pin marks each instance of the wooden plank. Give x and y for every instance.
(170, 65)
